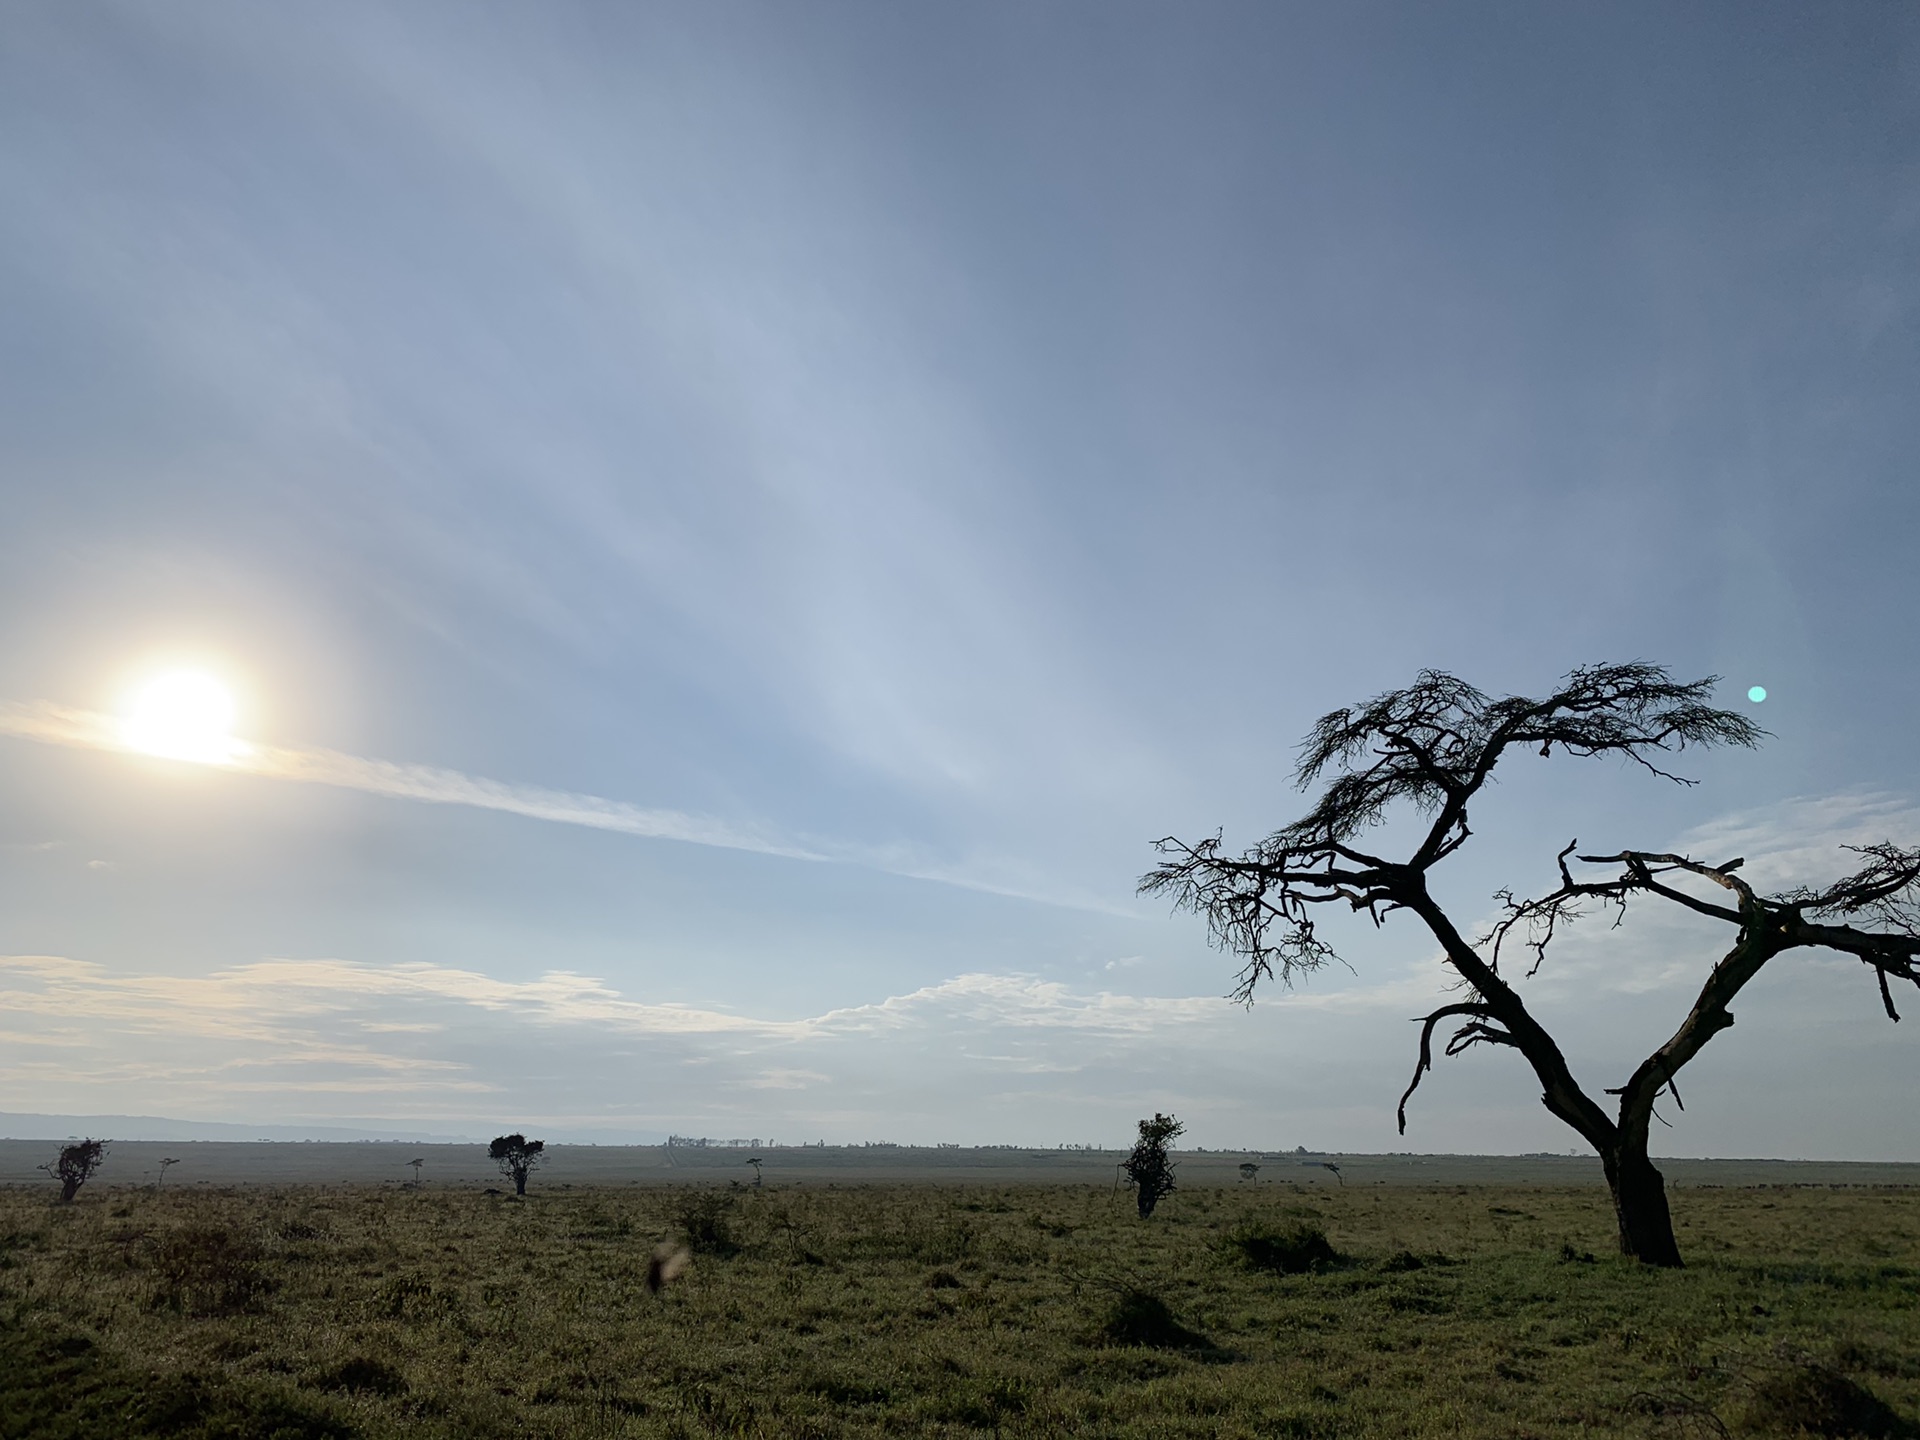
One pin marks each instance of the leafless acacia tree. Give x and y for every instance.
(1434, 745)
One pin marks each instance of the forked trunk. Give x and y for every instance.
(1640, 1205)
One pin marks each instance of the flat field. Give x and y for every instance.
(953, 1309)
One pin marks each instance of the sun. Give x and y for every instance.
(184, 715)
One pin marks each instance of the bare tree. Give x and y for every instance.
(1149, 1169)
(1434, 745)
(516, 1156)
(75, 1166)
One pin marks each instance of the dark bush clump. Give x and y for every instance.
(705, 1217)
(1817, 1401)
(1294, 1249)
(1140, 1317)
(364, 1375)
(207, 1272)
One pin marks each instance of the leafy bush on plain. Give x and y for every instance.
(1806, 1398)
(1137, 1316)
(1297, 1248)
(705, 1218)
(202, 1270)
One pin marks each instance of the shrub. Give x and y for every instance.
(1149, 1169)
(705, 1217)
(207, 1272)
(1811, 1399)
(1293, 1249)
(1137, 1316)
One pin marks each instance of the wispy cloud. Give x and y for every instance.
(253, 1001)
(288, 1026)
(1802, 841)
(51, 724)
(90, 730)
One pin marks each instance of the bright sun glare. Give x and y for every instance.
(184, 715)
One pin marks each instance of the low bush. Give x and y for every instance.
(363, 1375)
(705, 1217)
(1139, 1317)
(1810, 1399)
(1297, 1248)
(202, 1271)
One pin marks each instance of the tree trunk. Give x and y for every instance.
(520, 1184)
(1640, 1205)
(69, 1187)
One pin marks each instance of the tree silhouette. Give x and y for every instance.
(1149, 1169)
(516, 1156)
(1433, 746)
(75, 1166)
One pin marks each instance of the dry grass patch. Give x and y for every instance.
(1019, 1310)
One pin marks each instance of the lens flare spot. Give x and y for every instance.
(1757, 694)
(184, 715)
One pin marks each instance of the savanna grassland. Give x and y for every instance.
(941, 1310)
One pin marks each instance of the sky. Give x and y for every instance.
(731, 529)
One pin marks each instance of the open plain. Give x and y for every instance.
(871, 1296)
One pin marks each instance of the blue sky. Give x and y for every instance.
(963, 443)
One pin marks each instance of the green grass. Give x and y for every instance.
(910, 1310)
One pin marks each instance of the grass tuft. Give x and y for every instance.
(363, 1375)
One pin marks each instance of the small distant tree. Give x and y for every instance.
(167, 1163)
(75, 1166)
(1149, 1169)
(516, 1156)
(1249, 1170)
(755, 1162)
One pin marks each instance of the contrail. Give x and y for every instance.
(52, 724)
(90, 730)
